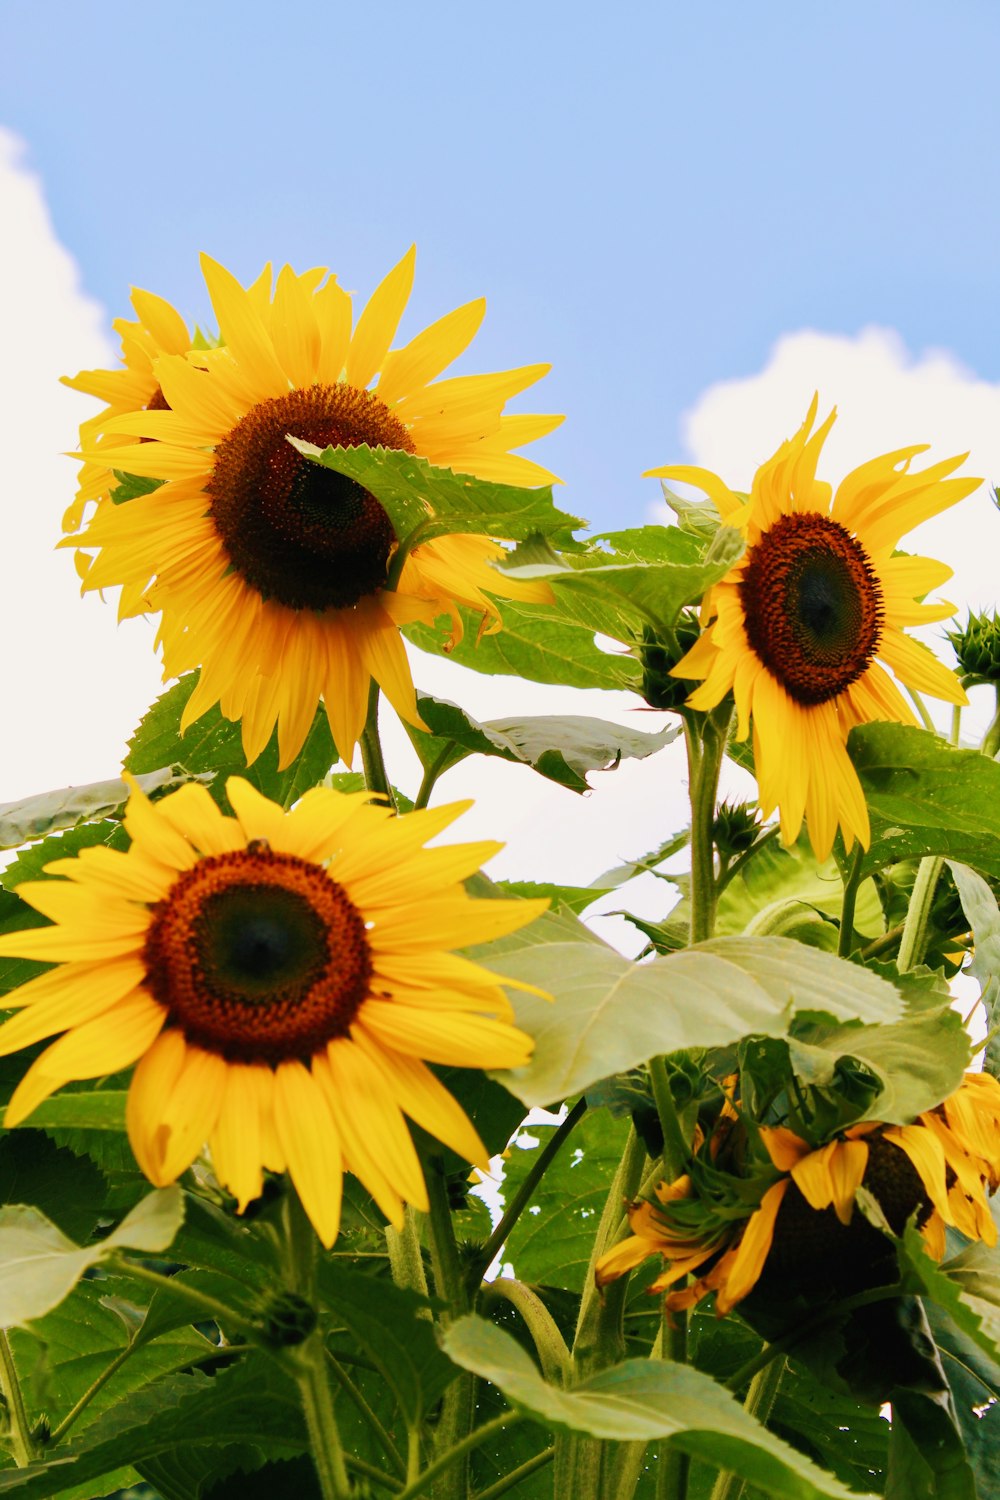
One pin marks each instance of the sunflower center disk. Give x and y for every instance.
(298, 533)
(812, 606)
(258, 956)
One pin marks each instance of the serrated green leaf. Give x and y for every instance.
(644, 1400)
(214, 744)
(249, 1403)
(41, 1265)
(532, 644)
(406, 485)
(575, 898)
(609, 1014)
(563, 748)
(31, 862)
(967, 1287)
(926, 797)
(67, 1188)
(47, 812)
(551, 1242)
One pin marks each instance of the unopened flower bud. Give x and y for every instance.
(977, 646)
(659, 689)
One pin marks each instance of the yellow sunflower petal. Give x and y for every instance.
(68, 996)
(311, 1145)
(752, 1251)
(424, 357)
(424, 1098)
(378, 323)
(235, 1143)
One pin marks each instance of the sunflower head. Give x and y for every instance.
(801, 629)
(281, 982)
(271, 572)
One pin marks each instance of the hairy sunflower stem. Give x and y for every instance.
(458, 1404)
(921, 708)
(851, 887)
(406, 1261)
(548, 1341)
(351, 1390)
(431, 774)
(759, 1402)
(674, 1468)
(675, 1147)
(916, 928)
(22, 1447)
(372, 760)
(703, 776)
(524, 1194)
(308, 1363)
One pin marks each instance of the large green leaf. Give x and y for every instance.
(251, 1403)
(31, 863)
(776, 875)
(534, 643)
(95, 1109)
(41, 1265)
(406, 485)
(34, 817)
(967, 1287)
(919, 1059)
(552, 1240)
(67, 1188)
(563, 747)
(641, 1401)
(609, 1014)
(926, 797)
(214, 744)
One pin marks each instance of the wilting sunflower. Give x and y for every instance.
(270, 571)
(805, 1224)
(281, 981)
(799, 625)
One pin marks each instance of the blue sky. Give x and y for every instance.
(649, 199)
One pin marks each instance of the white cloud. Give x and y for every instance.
(73, 683)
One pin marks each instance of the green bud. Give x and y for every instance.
(977, 646)
(736, 827)
(659, 689)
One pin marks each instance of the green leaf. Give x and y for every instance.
(34, 817)
(776, 875)
(132, 486)
(391, 1325)
(926, 797)
(563, 748)
(97, 1109)
(67, 1188)
(214, 744)
(646, 864)
(31, 862)
(251, 1403)
(41, 1265)
(575, 898)
(643, 1400)
(405, 486)
(983, 915)
(920, 1060)
(609, 1015)
(967, 1287)
(534, 643)
(552, 1240)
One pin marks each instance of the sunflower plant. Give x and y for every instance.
(277, 1217)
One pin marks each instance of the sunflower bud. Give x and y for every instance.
(736, 826)
(659, 689)
(977, 646)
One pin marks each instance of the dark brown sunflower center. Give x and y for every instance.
(812, 606)
(294, 531)
(258, 956)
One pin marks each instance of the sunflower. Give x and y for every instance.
(795, 627)
(804, 1222)
(269, 571)
(281, 981)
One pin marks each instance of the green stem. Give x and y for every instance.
(739, 863)
(916, 928)
(921, 708)
(431, 774)
(351, 1390)
(376, 776)
(461, 1450)
(675, 1147)
(21, 1445)
(548, 1341)
(759, 1402)
(991, 739)
(674, 1468)
(704, 785)
(613, 1226)
(308, 1365)
(851, 887)
(458, 1404)
(525, 1192)
(406, 1261)
(210, 1307)
(530, 1466)
(883, 944)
